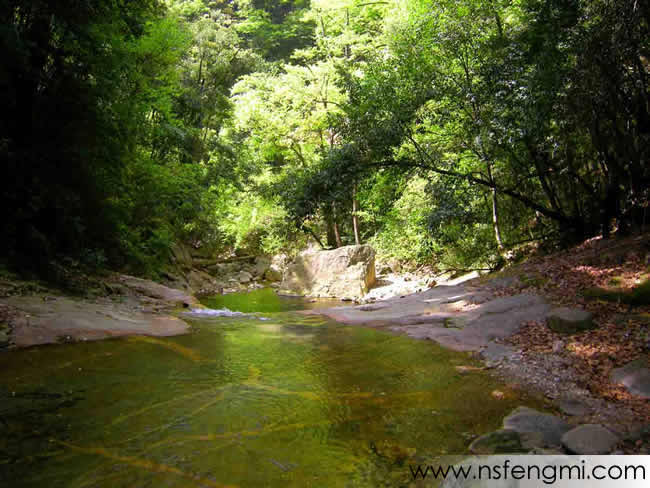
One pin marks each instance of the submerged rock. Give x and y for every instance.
(346, 272)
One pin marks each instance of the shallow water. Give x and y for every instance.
(292, 400)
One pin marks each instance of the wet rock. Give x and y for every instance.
(502, 441)
(635, 376)
(569, 320)
(589, 439)
(527, 420)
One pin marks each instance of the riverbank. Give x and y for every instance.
(564, 326)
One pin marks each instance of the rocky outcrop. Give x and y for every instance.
(456, 317)
(347, 272)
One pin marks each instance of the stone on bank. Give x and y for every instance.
(347, 272)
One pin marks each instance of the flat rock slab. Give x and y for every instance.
(589, 439)
(457, 317)
(635, 376)
(527, 420)
(64, 319)
(170, 296)
(569, 320)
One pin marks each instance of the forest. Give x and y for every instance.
(450, 133)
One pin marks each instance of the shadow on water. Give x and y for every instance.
(294, 400)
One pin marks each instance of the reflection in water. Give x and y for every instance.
(291, 401)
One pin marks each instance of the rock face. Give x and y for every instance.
(635, 376)
(346, 272)
(589, 439)
(527, 420)
(569, 320)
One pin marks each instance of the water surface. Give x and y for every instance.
(291, 400)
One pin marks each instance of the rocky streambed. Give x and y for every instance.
(478, 319)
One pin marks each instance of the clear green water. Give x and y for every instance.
(294, 400)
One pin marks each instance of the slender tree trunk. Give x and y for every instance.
(495, 211)
(355, 218)
(337, 234)
(313, 234)
(495, 220)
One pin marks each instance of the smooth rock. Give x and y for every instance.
(346, 272)
(528, 420)
(68, 319)
(589, 439)
(635, 376)
(569, 320)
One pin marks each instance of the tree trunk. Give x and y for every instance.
(355, 218)
(331, 233)
(313, 234)
(337, 234)
(495, 211)
(495, 220)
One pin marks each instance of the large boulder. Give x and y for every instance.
(347, 272)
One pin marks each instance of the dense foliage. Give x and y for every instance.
(444, 132)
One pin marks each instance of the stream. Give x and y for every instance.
(269, 397)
